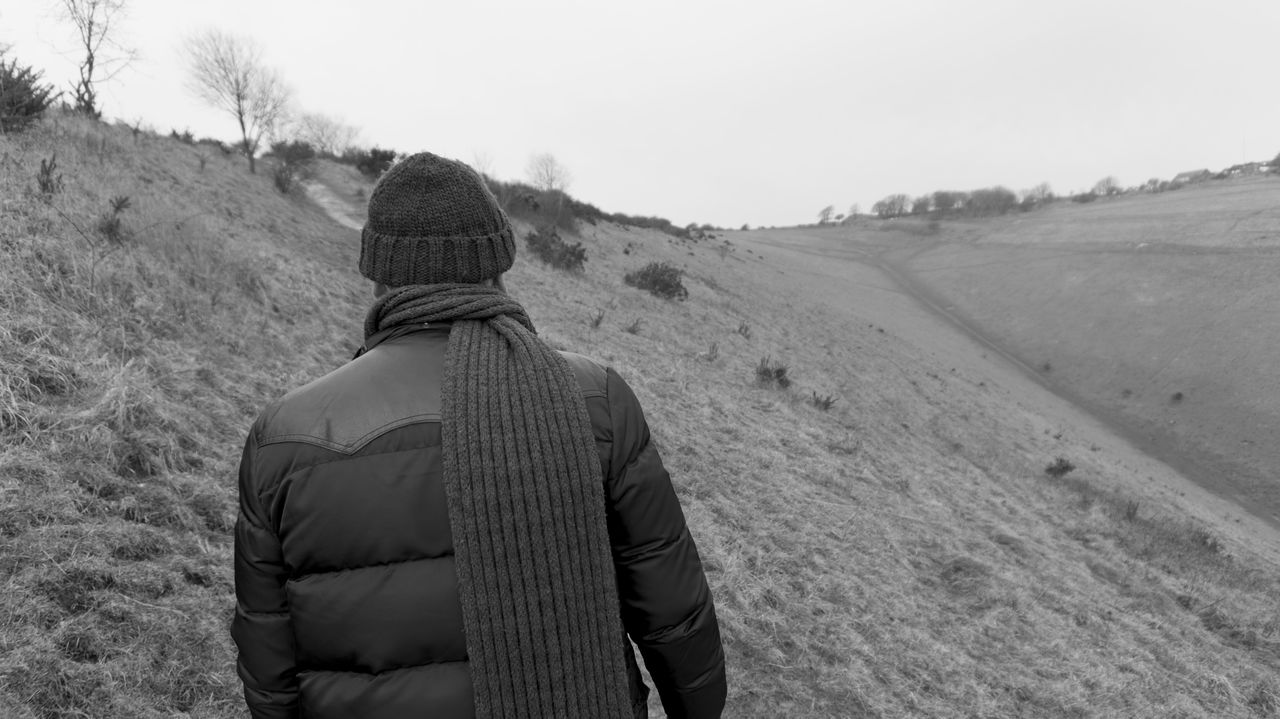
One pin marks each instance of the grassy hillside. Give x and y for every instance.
(1158, 310)
(902, 553)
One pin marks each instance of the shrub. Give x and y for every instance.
(633, 328)
(660, 279)
(23, 99)
(546, 244)
(596, 319)
(185, 137)
(295, 160)
(293, 153)
(223, 147)
(109, 225)
(1059, 468)
(744, 329)
(769, 373)
(372, 162)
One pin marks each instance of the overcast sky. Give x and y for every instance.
(738, 112)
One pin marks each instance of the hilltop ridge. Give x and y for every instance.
(901, 553)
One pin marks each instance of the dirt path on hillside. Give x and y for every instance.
(891, 263)
(335, 207)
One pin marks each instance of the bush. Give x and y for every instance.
(185, 137)
(109, 224)
(545, 244)
(293, 153)
(372, 162)
(1059, 468)
(223, 147)
(295, 160)
(660, 279)
(23, 99)
(769, 373)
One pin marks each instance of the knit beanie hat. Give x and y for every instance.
(434, 221)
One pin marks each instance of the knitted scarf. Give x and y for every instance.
(526, 506)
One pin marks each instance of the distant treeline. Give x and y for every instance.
(998, 200)
(952, 203)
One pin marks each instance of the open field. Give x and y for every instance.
(903, 553)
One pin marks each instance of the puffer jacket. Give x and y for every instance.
(347, 598)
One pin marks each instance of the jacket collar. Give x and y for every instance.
(391, 333)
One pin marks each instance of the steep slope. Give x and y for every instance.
(902, 553)
(131, 361)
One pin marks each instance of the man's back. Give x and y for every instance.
(345, 556)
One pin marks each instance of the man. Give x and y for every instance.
(461, 521)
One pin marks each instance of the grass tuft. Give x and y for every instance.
(822, 403)
(46, 181)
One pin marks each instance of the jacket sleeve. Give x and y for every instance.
(261, 627)
(666, 604)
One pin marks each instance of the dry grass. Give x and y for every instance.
(901, 554)
(128, 369)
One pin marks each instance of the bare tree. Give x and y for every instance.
(853, 210)
(892, 206)
(324, 134)
(104, 58)
(546, 173)
(824, 215)
(1041, 193)
(227, 72)
(482, 162)
(1107, 186)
